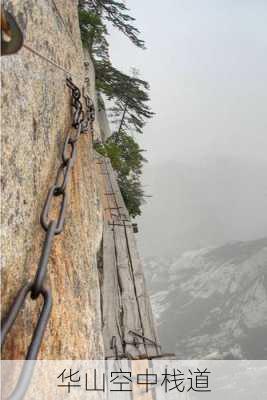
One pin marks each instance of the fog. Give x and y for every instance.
(206, 63)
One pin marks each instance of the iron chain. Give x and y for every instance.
(90, 111)
(52, 228)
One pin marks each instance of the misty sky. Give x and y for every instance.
(206, 62)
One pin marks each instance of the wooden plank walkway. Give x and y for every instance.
(128, 325)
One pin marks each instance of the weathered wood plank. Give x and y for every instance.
(100, 162)
(108, 198)
(115, 211)
(131, 316)
(118, 196)
(111, 302)
(148, 324)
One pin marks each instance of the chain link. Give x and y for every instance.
(90, 108)
(52, 228)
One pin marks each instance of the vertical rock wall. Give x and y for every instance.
(36, 116)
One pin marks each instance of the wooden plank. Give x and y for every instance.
(111, 302)
(112, 184)
(112, 201)
(116, 189)
(105, 201)
(131, 317)
(148, 324)
(109, 187)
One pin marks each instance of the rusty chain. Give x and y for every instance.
(90, 113)
(52, 228)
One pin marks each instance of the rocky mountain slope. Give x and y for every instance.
(212, 303)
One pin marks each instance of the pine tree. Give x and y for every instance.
(93, 34)
(129, 94)
(115, 12)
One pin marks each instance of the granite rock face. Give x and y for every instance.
(36, 116)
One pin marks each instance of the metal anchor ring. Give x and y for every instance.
(11, 34)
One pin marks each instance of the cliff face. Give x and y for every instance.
(36, 117)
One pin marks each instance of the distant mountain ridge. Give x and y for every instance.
(202, 203)
(212, 303)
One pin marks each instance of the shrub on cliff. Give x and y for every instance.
(127, 159)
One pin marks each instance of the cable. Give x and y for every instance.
(52, 62)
